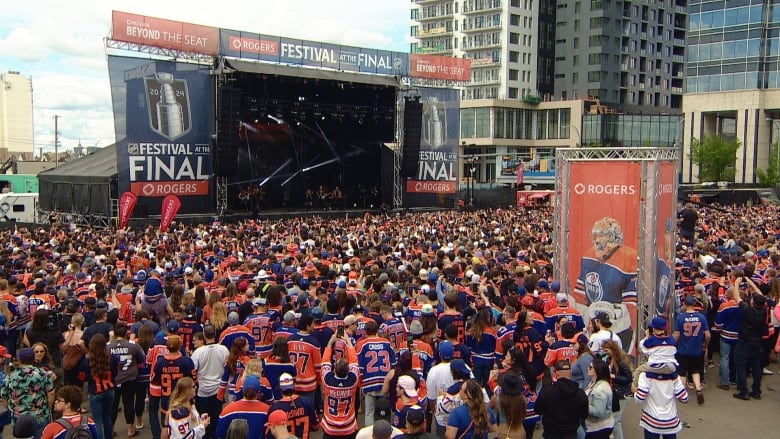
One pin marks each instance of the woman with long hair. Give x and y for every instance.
(472, 420)
(481, 339)
(99, 370)
(208, 309)
(183, 420)
(145, 340)
(236, 362)
(621, 374)
(531, 342)
(599, 423)
(404, 367)
(579, 370)
(277, 364)
(219, 318)
(40, 332)
(516, 362)
(510, 406)
(72, 338)
(254, 367)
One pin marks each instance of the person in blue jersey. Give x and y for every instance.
(299, 409)
(249, 408)
(481, 339)
(68, 400)
(692, 334)
(376, 359)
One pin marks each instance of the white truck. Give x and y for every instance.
(19, 207)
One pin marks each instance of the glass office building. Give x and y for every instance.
(732, 81)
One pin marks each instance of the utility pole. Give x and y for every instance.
(56, 142)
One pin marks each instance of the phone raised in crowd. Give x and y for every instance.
(340, 331)
(410, 342)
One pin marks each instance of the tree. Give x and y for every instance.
(716, 158)
(771, 176)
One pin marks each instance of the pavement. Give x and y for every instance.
(721, 416)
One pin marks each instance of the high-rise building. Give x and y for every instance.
(16, 114)
(628, 54)
(510, 47)
(733, 82)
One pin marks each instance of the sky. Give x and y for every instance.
(60, 45)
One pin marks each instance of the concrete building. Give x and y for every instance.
(16, 114)
(629, 54)
(733, 82)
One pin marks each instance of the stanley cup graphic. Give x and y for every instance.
(170, 118)
(168, 102)
(434, 123)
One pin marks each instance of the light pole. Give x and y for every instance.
(576, 130)
(472, 164)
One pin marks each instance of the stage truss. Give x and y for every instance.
(646, 276)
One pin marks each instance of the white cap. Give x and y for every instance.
(188, 270)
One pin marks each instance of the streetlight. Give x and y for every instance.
(472, 166)
(576, 130)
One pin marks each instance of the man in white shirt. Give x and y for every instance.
(440, 378)
(382, 429)
(601, 332)
(209, 361)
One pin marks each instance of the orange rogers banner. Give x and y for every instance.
(605, 198)
(439, 67)
(169, 34)
(431, 187)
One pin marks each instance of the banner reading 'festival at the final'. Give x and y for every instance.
(207, 40)
(163, 117)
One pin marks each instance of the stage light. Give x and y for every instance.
(278, 120)
(323, 117)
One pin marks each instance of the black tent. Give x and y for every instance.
(84, 186)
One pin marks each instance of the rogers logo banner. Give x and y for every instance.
(604, 189)
(170, 206)
(127, 204)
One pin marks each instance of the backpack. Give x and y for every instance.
(80, 431)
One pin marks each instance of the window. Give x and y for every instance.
(594, 76)
(576, 42)
(514, 38)
(594, 41)
(515, 3)
(594, 59)
(577, 7)
(514, 19)
(414, 31)
(576, 24)
(512, 92)
(575, 77)
(467, 122)
(483, 122)
(415, 14)
(514, 56)
(513, 74)
(18, 207)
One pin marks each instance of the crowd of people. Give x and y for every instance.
(446, 324)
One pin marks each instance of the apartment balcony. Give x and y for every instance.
(440, 50)
(423, 18)
(679, 42)
(677, 90)
(484, 81)
(488, 7)
(484, 62)
(481, 47)
(473, 29)
(433, 33)
(429, 2)
(678, 58)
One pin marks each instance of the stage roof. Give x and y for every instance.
(96, 167)
(304, 72)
